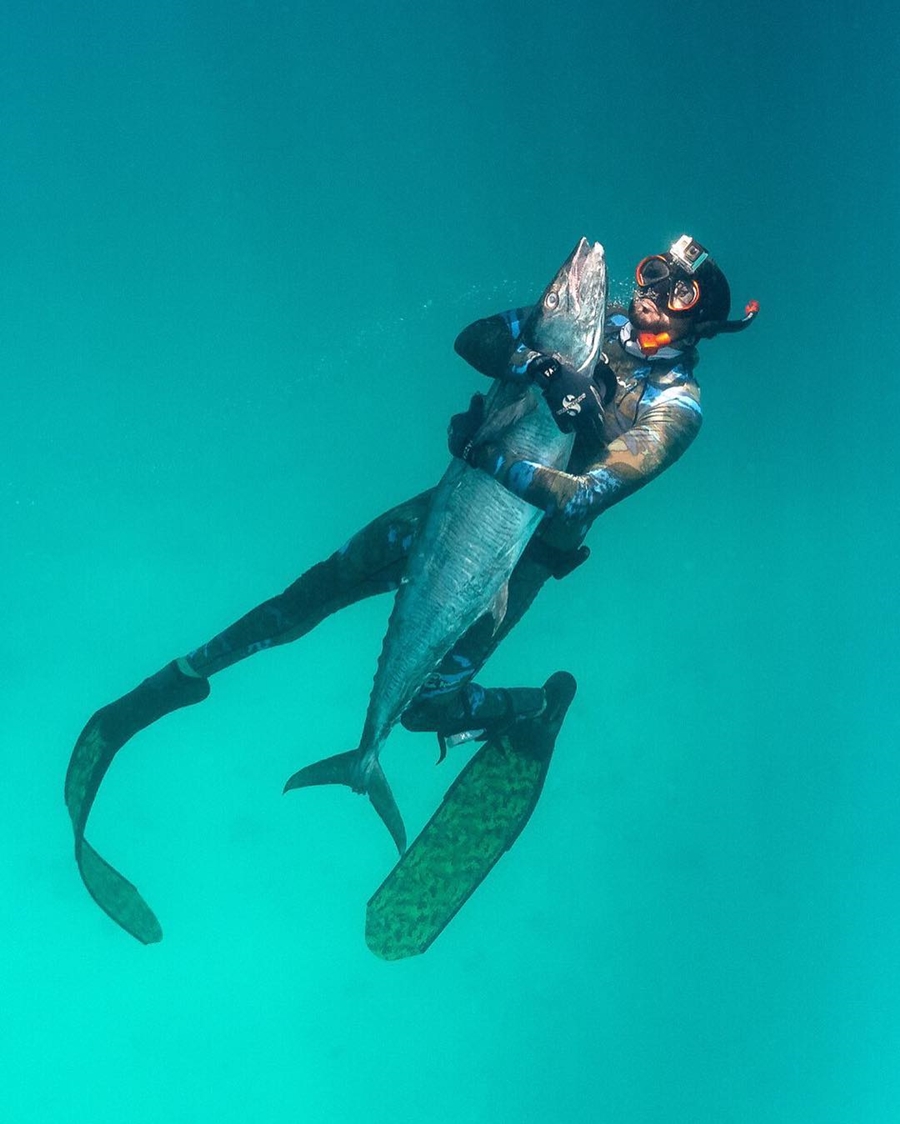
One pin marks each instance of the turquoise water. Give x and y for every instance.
(238, 242)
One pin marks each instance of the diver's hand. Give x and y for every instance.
(542, 369)
(575, 401)
(484, 455)
(463, 427)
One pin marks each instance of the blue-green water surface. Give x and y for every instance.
(238, 240)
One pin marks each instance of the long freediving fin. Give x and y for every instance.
(104, 735)
(480, 818)
(343, 768)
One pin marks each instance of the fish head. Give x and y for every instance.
(569, 318)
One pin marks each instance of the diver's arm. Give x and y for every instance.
(662, 432)
(494, 346)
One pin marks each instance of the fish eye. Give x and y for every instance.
(552, 299)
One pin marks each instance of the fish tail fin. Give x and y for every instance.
(382, 800)
(344, 768)
(340, 769)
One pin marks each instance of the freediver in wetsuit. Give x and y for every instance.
(643, 415)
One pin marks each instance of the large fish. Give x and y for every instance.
(474, 533)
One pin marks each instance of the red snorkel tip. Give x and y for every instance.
(714, 327)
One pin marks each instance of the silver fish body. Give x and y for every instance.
(474, 533)
(463, 556)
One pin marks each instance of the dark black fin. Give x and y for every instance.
(480, 818)
(101, 739)
(343, 768)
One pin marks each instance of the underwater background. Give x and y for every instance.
(238, 240)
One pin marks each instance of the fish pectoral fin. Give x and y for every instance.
(499, 605)
(344, 768)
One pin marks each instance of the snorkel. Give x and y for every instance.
(710, 328)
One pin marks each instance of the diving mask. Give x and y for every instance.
(670, 276)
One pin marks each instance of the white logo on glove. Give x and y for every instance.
(571, 405)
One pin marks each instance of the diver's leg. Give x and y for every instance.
(472, 710)
(371, 562)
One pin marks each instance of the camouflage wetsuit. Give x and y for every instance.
(652, 415)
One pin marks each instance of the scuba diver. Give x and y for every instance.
(635, 415)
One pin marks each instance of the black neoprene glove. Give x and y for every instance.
(463, 427)
(542, 369)
(574, 398)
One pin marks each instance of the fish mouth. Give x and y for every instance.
(585, 287)
(579, 273)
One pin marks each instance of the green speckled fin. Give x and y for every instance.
(467, 834)
(116, 896)
(106, 732)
